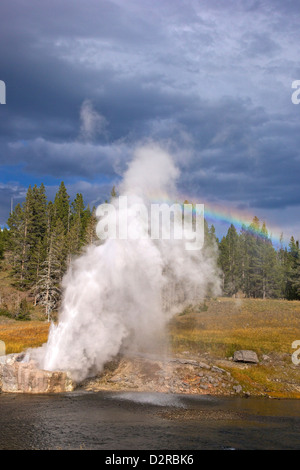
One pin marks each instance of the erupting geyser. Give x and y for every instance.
(122, 292)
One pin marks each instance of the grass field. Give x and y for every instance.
(19, 336)
(225, 325)
(217, 328)
(269, 327)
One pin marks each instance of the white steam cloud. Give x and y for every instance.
(92, 122)
(123, 292)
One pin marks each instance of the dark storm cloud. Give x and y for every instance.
(211, 80)
(68, 159)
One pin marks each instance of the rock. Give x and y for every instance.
(266, 358)
(237, 388)
(115, 379)
(190, 362)
(19, 374)
(218, 369)
(204, 387)
(184, 361)
(203, 365)
(245, 355)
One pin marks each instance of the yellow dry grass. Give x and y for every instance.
(265, 326)
(19, 336)
(229, 324)
(223, 326)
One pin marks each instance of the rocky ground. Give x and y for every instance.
(244, 374)
(200, 340)
(269, 376)
(168, 375)
(20, 374)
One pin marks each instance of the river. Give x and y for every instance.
(149, 421)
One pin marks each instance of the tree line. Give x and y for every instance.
(251, 265)
(43, 236)
(41, 239)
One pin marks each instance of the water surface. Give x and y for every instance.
(134, 421)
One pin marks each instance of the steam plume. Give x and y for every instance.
(92, 123)
(123, 292)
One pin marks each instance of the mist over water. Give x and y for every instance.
(120, 294)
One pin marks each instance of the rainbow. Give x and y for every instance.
(216, 214)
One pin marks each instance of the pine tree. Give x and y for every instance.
(113, 193)
(230, 261)
(20, 223)
(38, 233)
(27, 226)
(281, 266)
(271, 269)
(62, 208)
(213, 240)
(26, 234)
(255, 266)
(293, 271)
(1, 246)
(296, 279)
(90, 236)
(14, 223)
(261, 272)
(244, 260)
(48, 289)
(4, 241)
(78, 221)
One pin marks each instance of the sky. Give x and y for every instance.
(87, 81)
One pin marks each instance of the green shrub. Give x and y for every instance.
(24, 311)
(202, 308)
(5, 313)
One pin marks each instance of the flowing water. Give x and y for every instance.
(149, 421)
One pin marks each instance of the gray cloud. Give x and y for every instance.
(63, 159)
(210, 79)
